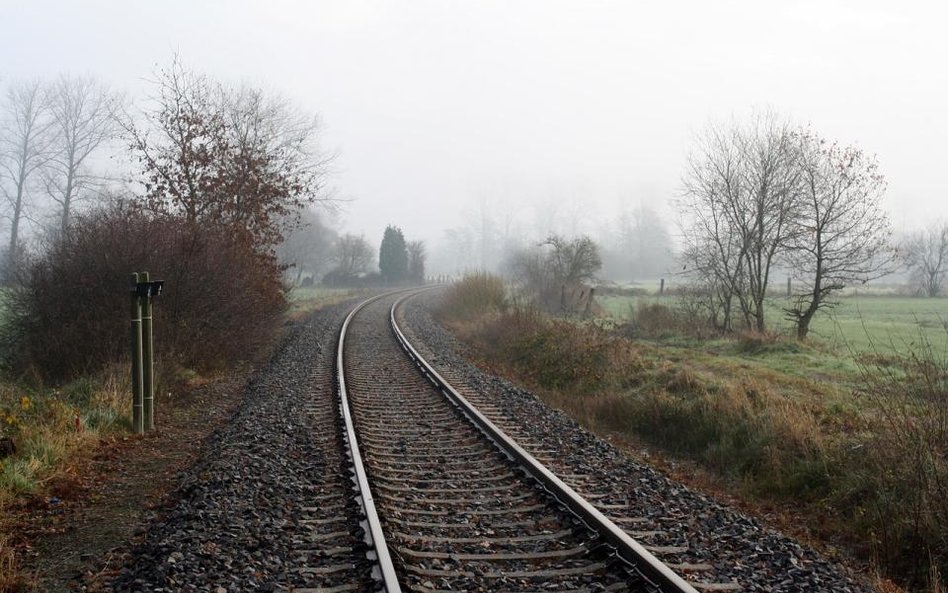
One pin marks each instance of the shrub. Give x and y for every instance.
(555, 354)
(762, 343)
(475, 294)
(654, 320)
(658, 321)
(69, 315)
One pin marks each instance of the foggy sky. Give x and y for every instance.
(440, 107)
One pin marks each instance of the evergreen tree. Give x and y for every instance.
(393, 256)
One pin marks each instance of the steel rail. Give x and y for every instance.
(627, 548)
(374, 535)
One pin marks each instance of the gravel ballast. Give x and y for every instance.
(243, 517)
(738, 547)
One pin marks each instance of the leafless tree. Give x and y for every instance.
(573, 261)
(417, 254)
(230, 157)
(24, 148)
(637, 245)
(352, 255)
(839, 233)
(556, 269)
(83, 120)
(308, 246)
(926, 256)
(740, 191)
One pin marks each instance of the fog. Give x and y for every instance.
(551, 116)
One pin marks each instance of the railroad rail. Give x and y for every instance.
(450, 501)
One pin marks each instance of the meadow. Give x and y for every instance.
(843, 438)
(57, 428)
(880, 323)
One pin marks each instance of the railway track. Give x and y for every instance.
(453, 504)
(440, 503)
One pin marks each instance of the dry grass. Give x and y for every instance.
(304, 301)
(868, 469)
(53, 430)
(904, 489)
(50, 427)
(476, 294)
(10, 578)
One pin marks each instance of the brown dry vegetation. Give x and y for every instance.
(65, 336)
(56, 431)
(861, 455)
(223, 297)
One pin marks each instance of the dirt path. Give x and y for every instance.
(74, 537)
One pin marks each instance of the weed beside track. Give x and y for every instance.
(860, 452)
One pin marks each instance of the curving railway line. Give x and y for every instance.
(353, 466)
(451, 502)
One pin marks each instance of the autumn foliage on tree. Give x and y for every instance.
(229, 157)
(223, 172)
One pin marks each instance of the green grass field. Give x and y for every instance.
(853, 443)
(306, 300)
(858, 324)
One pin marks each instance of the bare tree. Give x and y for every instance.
(82, 111)
(554, 272)
(308, 246)
(24, 149)
(926, 257)
(274, 165)
(352, 255)
(772, 180)
(840, 234)
(228, 157)
(574, 261)
(417, 254)
(715, 250)
(741, 188)
(639, 245)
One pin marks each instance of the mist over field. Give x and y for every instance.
(475, 124)
(714, 234)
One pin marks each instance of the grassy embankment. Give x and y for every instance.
(56, 428)
(852, 438)
(304, 301)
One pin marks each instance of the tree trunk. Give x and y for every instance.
(804, 318)
(12, 254)
(803, 324)
(67, 203)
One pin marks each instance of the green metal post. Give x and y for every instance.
(148, 360)
(137, 383)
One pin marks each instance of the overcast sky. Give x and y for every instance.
(438, 106)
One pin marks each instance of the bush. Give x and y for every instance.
(654, 320)
(556, 354)
(69, 314)
(475, 294)
(339, 278)
(657, 321)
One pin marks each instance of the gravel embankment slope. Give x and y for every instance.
(737, 546)
(243, 517)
